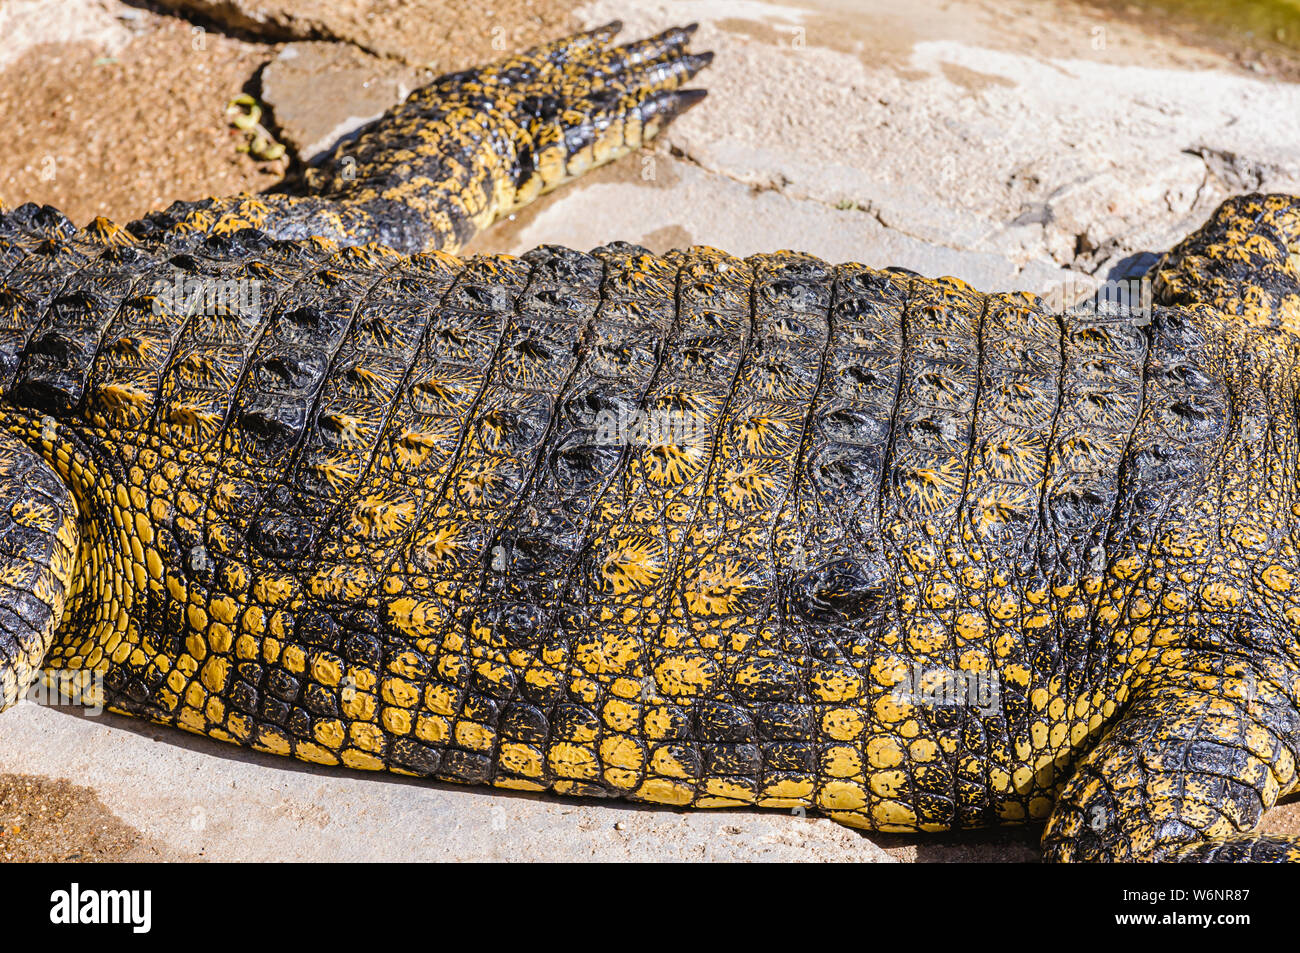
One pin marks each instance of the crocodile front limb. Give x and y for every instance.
(470, 147)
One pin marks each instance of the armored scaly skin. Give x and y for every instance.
(689, 529)
(469, 148)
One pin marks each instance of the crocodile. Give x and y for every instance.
(689, 529)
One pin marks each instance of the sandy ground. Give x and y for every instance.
(1015, 144)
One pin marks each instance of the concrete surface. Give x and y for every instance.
(1015, 144)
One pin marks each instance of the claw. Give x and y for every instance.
(662, 108)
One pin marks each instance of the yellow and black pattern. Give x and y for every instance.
(38, 557)
(689, 529)
(469, 148)
(1244, 262)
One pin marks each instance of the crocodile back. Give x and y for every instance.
(674, 526)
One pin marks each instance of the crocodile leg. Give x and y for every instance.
(470, 147)
(1245, 261)
(1185, 774)
(38, 543)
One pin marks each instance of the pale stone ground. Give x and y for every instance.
(991, 141)
(1014, 144)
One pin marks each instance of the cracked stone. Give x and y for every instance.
(319, 92)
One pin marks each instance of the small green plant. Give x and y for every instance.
(245, 114)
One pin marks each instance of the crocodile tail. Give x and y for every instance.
(1244, 262)
(474, 146)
